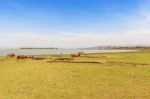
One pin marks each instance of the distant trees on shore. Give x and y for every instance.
(37, 48)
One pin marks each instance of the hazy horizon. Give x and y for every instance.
(74, 23)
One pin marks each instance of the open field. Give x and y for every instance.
(122, 76)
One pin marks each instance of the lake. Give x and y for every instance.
(54, 51)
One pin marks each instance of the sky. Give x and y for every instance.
(74, 23)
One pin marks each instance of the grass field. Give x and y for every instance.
(123, 76)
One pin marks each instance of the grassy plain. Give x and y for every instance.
(123, 76)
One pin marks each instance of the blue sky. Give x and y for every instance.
(62, 23)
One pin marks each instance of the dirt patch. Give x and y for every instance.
(77, 61)
(128, 63)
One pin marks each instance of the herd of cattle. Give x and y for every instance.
(18, 57)
(22, 57)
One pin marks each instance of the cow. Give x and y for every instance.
(11, 55)
(22, 57)
(75, 55)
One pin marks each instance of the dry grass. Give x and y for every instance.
(33, 79)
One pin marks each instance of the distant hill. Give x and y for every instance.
(116, 47)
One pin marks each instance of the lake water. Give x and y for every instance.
(54, 51)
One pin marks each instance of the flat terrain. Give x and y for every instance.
(122, 76)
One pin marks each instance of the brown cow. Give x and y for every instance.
(75, 55)
(24, 57)
(21, 57)
(11, 55)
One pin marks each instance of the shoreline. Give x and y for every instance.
(59, 51)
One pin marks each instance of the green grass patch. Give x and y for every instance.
(32, 79)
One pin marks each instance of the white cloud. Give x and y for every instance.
(71, 40)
